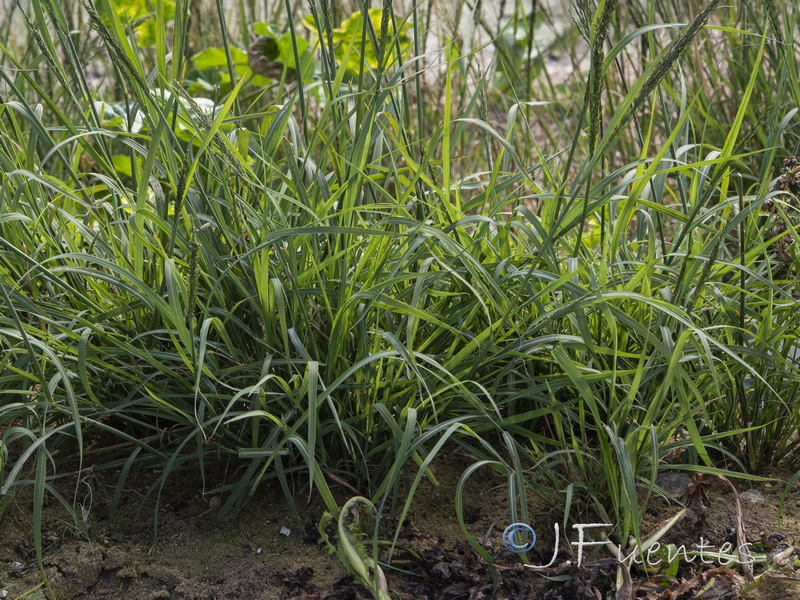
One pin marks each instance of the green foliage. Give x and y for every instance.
(282, 50)
(341, 274)
(517, 49)
(355, 46)
(140, 15)
(276, 48)
(216, 58)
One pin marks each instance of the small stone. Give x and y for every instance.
(753, 496)
(674, 482)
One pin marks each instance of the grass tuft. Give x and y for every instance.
(396, 239)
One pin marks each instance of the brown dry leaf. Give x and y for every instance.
(781, 556)
(695, 492)
(625, 591)
(723, 587)
(715, 584)
(741, 535)
(782, 577)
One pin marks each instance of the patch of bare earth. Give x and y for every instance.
(248, 557)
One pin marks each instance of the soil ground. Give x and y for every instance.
(198, 556)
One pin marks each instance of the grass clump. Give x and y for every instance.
(338, 265)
